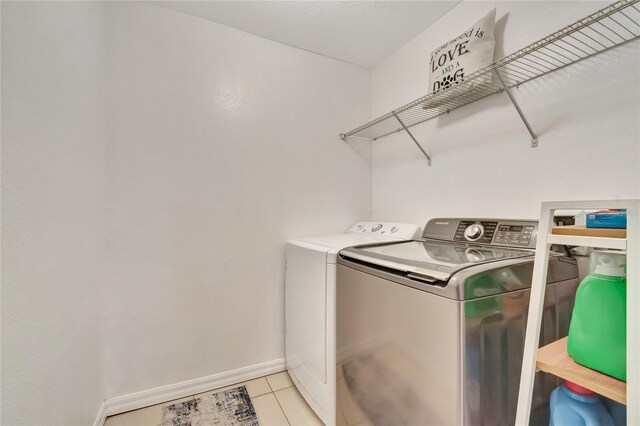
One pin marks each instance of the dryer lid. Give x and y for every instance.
(430, 261)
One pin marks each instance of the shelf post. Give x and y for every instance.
(534, 318)
(412, 137)
(534, 137)
(633, 313)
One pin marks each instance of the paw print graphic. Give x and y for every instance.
(447, 81)
(450, 80)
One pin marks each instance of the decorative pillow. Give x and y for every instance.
(471, 51)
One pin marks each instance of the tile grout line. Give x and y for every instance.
(277, 402)
(282, 409)
(268, 383)
(275, 397)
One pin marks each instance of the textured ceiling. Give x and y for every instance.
(360, 32)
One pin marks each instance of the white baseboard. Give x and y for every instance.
(102, 416)
(162, 394)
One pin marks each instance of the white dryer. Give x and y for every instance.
(310, 308)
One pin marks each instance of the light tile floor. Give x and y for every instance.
(276, 400)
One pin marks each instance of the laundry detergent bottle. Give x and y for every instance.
(572, 404)
(598, 330)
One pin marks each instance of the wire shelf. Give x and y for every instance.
(613, 26)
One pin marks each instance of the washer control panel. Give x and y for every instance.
(515, 233)
(477, 231)
(520, 235)
(402, 231)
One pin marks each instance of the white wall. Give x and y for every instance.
(153, 165)
(587, 117)
(222, 146)
(53, 216)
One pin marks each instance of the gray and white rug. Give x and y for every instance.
(231, 407)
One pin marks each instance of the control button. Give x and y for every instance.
(394, 229)
(473, 232)
(377, 227)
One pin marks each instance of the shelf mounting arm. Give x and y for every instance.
(534, 137)
(412, 138)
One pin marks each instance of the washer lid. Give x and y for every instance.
(340, 241)
(429, 261)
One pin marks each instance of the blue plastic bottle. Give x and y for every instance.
(572, 404)
(618, 411)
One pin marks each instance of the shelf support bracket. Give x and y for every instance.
(534, 137)
(412, 138)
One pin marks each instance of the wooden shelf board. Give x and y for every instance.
(581, 231)
(572, 240)
(554, 359)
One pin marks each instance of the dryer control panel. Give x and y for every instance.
(500, 232)
(403, 231)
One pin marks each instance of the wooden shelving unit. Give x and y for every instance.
(554, 359)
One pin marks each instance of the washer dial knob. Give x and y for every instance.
(473, 232)
(474, 255)
(376, 227)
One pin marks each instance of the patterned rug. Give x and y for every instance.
(231, 407)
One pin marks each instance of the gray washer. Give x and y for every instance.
(431, 332)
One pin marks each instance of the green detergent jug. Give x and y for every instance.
(598, 330)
